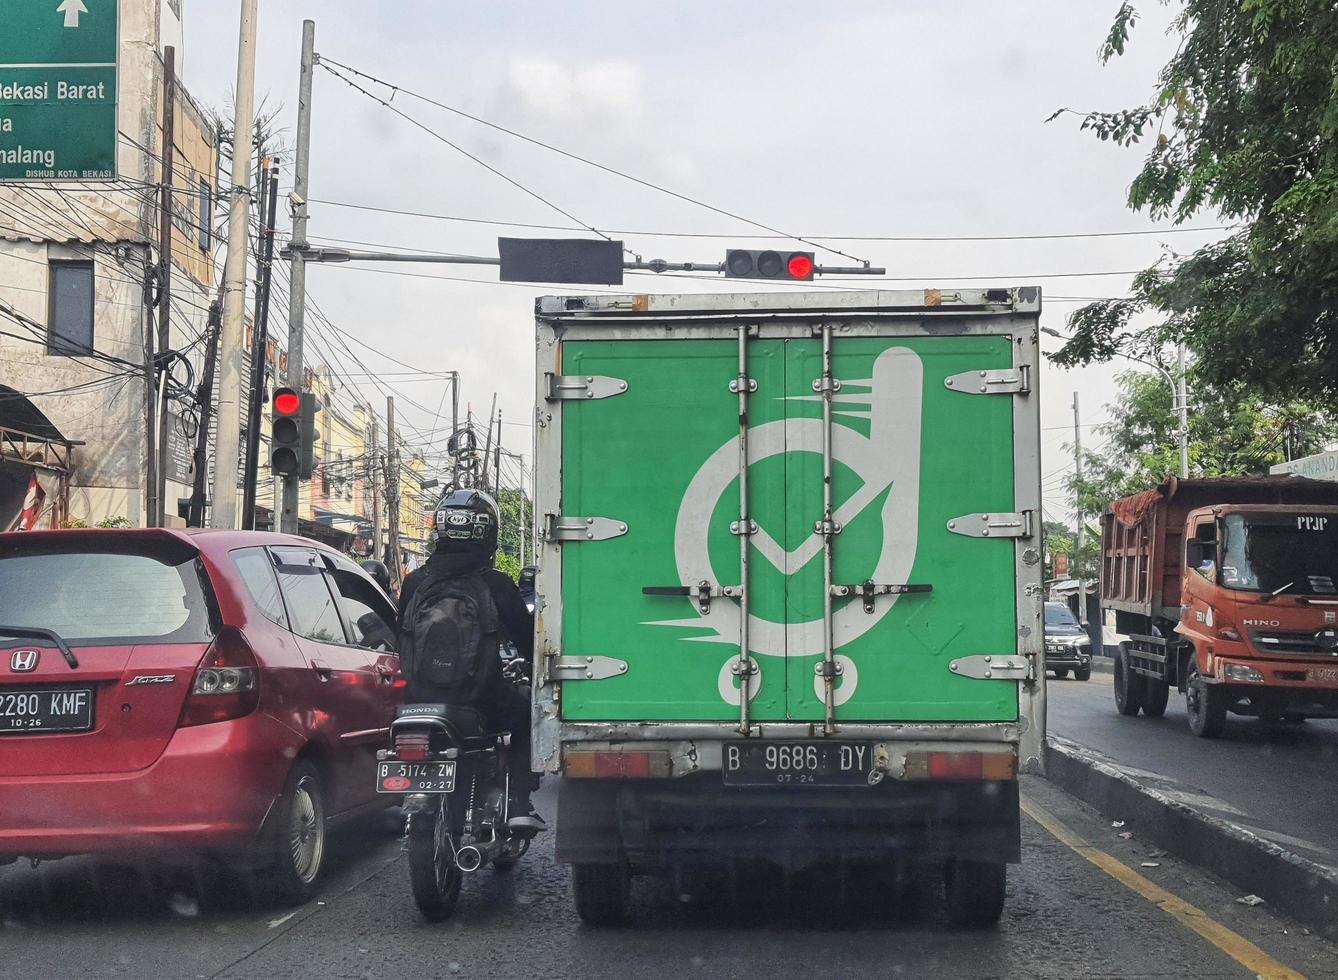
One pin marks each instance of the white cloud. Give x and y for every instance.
(585, 95)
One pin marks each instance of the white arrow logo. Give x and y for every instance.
(71, 9)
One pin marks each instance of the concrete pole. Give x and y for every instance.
(164, 340)
(1078, 537)
(223, 513)
(1182, 405)
(393, 492)
(297, 284)
(373, 468)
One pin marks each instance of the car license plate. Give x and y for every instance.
(1324, 674)
(415, 777)
(34, 711)
(760, 763)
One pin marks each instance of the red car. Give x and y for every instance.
(164, 691)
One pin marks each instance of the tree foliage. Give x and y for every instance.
(1243, 122)
(1233, 431)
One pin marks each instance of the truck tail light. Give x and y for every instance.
(226, 684)
(961, 765)
(607, 764)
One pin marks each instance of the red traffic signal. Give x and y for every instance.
(743, 263)
(287, 402)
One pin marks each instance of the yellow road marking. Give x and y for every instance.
(1240, 949)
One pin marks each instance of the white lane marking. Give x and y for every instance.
(281, 920)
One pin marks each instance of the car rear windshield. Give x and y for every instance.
(113, 593)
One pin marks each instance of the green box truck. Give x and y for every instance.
(789, 587)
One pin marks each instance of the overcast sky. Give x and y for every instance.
(900, 118)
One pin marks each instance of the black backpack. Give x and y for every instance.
(451, 641)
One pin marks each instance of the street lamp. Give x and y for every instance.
(1179, 397)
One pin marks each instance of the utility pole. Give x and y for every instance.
(1078, 537)
(269, 193)
(1182, 406)
(393, 491)
(195, 516)
(224, 511)
(164, 339)
(372, 468)
(297, 285)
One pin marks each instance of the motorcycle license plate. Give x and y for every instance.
(757, 763)
(415, 777)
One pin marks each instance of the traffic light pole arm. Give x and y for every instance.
(311, 254)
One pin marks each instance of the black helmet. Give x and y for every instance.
(468, 520)
(379, 571)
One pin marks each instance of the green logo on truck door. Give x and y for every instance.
(887, 462)
(909, 455)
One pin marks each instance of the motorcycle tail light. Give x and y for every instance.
(411, 747)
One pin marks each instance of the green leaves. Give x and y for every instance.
(1245, 117)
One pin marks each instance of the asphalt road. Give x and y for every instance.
(1066, 917)
(1276, 779)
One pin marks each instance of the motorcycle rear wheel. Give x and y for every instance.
(433, 874)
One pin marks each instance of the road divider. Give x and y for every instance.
(1288, 881)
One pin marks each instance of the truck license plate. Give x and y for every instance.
(415, 777)
(761, 763)
(1324, 674)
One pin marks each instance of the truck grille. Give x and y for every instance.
(1321, 644)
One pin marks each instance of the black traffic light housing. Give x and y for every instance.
(292, 446)
(747, 263)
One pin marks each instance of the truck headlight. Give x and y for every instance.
(1239, 672)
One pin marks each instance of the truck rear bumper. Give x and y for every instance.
(654, 824)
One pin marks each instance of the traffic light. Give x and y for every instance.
(293, 433)
(745, 263)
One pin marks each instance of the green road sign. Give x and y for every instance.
(58, 90)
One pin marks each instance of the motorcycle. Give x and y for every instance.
(456, 781)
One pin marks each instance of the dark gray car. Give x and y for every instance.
(1067, 645)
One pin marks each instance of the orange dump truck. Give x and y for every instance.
(1227, 589)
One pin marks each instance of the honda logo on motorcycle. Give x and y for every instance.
(24, 661)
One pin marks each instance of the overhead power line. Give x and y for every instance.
(573, 156)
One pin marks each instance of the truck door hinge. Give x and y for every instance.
(585, 668)
(558, 529)
(1004, 381)
(870, 589)
(561, 387)
(703, 592)
(991, 667)
(1014, 525)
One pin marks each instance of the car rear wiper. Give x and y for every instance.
(33, 633)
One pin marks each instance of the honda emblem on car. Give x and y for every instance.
(24, 661)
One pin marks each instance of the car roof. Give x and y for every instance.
(205, 540)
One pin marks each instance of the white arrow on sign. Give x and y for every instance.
(71, 9)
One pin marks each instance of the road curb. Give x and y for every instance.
(1300, 887)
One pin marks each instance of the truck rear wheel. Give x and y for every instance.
(601, 892)
(1205, 704)
(975, 892)
(1155, 695)
(1128, 685)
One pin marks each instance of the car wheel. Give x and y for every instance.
(1061, 673)
(1082, 673)
(1128, 685)
(1205, 704)
(1155, 695)
(291, 869)
(601, 892)
(975, 892)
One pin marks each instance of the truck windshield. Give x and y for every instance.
(1296, 553)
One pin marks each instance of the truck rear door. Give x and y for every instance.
(922, 535)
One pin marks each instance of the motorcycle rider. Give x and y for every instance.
(467, 524)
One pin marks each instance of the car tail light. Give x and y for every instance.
(601, 764)
(412, 746)
(961, 765)
(226, 684)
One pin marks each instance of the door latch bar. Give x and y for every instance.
(987, 667)
(1005, 381)
(870, 589)
(703, 592)
(585, 668)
